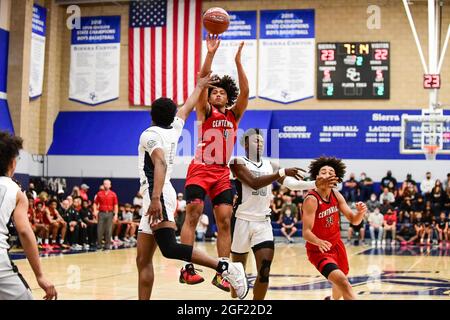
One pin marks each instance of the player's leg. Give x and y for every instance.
(146, 246)
(12, 285)
(350, 233)
(293, 231)
(340, 281)
(241, 244)
(264, 253)
(195, 196)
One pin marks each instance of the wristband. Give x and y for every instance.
(282, 172)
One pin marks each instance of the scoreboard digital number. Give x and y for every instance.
(353, 70)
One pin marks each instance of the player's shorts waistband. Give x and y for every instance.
(253, 218)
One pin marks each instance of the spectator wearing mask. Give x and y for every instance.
(437, 198)
(406, 209)
(442, 229)
(387, 195)
(418, 226)
(288, 228)
(376, 220)
(408, 183)
(427, 219)
(84, 188)
(390, 225)
(351, 189)
(388, 178)
(373, 203)
(289, 205)
(365, 187)
(426, 186)
(419, 204)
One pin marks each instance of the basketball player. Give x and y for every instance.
(157, 148)
(321, 229)
(219, 112)
(14, 206)
(252, 227)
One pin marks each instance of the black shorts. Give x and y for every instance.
(357, 227)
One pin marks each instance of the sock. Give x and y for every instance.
(116, 238)
(61, 241)
(39, 240)
(222, 266)
(46, 241)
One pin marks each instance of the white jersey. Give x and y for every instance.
(8, 200)
(158, 137)
(254, 205)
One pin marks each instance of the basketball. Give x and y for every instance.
(216, 20)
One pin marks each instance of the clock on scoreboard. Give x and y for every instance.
(353, 70)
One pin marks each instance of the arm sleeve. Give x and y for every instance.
(150, 141)
(178, 124)
(294, 184)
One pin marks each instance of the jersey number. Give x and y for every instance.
(260, 192)
(329, 221)
(2, 194)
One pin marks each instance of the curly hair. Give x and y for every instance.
(335, 163)
(228, 84)
(10, 146)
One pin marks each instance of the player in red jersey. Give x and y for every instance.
(321, 228)
(219, 111)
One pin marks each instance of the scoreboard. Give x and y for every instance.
(353, 70)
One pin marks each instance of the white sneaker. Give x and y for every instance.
(383, 243)
(378, 243)
(373, 243)
(393, 243)
(237, 278)
(85, 246)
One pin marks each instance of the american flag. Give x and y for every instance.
(164, 49)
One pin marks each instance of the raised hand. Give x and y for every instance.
(330, 182)
(238, 53)
(361, 207)
(297, 173)
(206, 81)
(212, 43)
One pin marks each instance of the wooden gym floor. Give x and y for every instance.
(376, 273)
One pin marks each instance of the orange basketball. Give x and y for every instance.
(216, 20)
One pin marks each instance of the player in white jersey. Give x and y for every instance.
(157, 148)
(252, 227)
(14, 207)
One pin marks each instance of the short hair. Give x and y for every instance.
(335, 163)
(163, 111)
(10, 146)
(247, 134)
(228, 84)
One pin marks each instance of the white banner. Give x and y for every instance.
(242, 28)
(286, 55)
(95, 60)
(37, 54)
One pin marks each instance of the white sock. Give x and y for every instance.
(46, 241)
(116, 238)
(61, 241)
(39, 240)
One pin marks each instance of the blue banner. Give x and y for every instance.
(38, 24)
(4, 47)
(294, 24)
(242, 26)
(102, 29)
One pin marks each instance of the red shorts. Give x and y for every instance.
(213, 178)
(337, 255)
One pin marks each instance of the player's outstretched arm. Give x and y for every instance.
(160, 165)
(202, 83)
(28, 241)
(212, 44)
(308, 215)
(242, 99)
(241, 172)
(348, 213)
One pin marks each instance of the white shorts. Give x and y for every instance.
(248, 234)
(12, 284)
(169, 206)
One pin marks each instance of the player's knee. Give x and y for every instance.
(264, 271)
(143, 260)
(224, 224)
(170, 249)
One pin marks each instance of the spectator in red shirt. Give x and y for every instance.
(390, 225)
(106, 208)
(83, 191)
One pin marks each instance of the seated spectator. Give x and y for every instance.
(385, 206)
(442, 228)
(358, 230)
(419, 204)
(446, 202)
(426, 186)
(376, 224)
(437, 198)
(409, 185)
(37, 224)
(32, 190)
(71, 218)
(202, 228)
(406, 209)
(288, 205)
(131, 226)
(447, 182)
(82, 226)
(91, 221)
(277, 204)
(372, 203)
(388, 178)
(418, 226)
(365, 187)
(117, 227)
(288, 228)
(428, 222)
(138, 199)
(387, 195)
(84, 188)
(393, 189)
(390, 225)
(351, 189)
(55, 223)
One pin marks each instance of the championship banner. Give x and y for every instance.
(37, 55)
(286, 55)
(242, 28)
(95, 60)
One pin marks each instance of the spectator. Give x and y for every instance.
(419, 204)
(117, 227)
(365, 187)
(32, 190)
(407, 184)
(70, 199)
(447, 182)
(427, 219)
(418, 226)
(36, 219)
(392, 189)
(91, 221)
(385, 206)
(138, 200)
(437, 198)
(442, 228)
(70, 216)
(376, 224)
(288, 205)
(277, 204)
(426, 186)
(372, 203)
(351, 189)
(358, 229)
(202, 228)
(107, 208)
(407, 233)
(75, 192)
(390, 225)
(406, 209)
(388, 178)
(131, 226)
(387, 195)
(446, 202)
(180, 213)
(410, 191)
(55, 223)
(82, 226)
(84, 188)
(288, 228)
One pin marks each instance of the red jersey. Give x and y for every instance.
(106, 200)
(31, 215)
(217, 138)
(326, 222)
(39, 216)
(53, 214)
